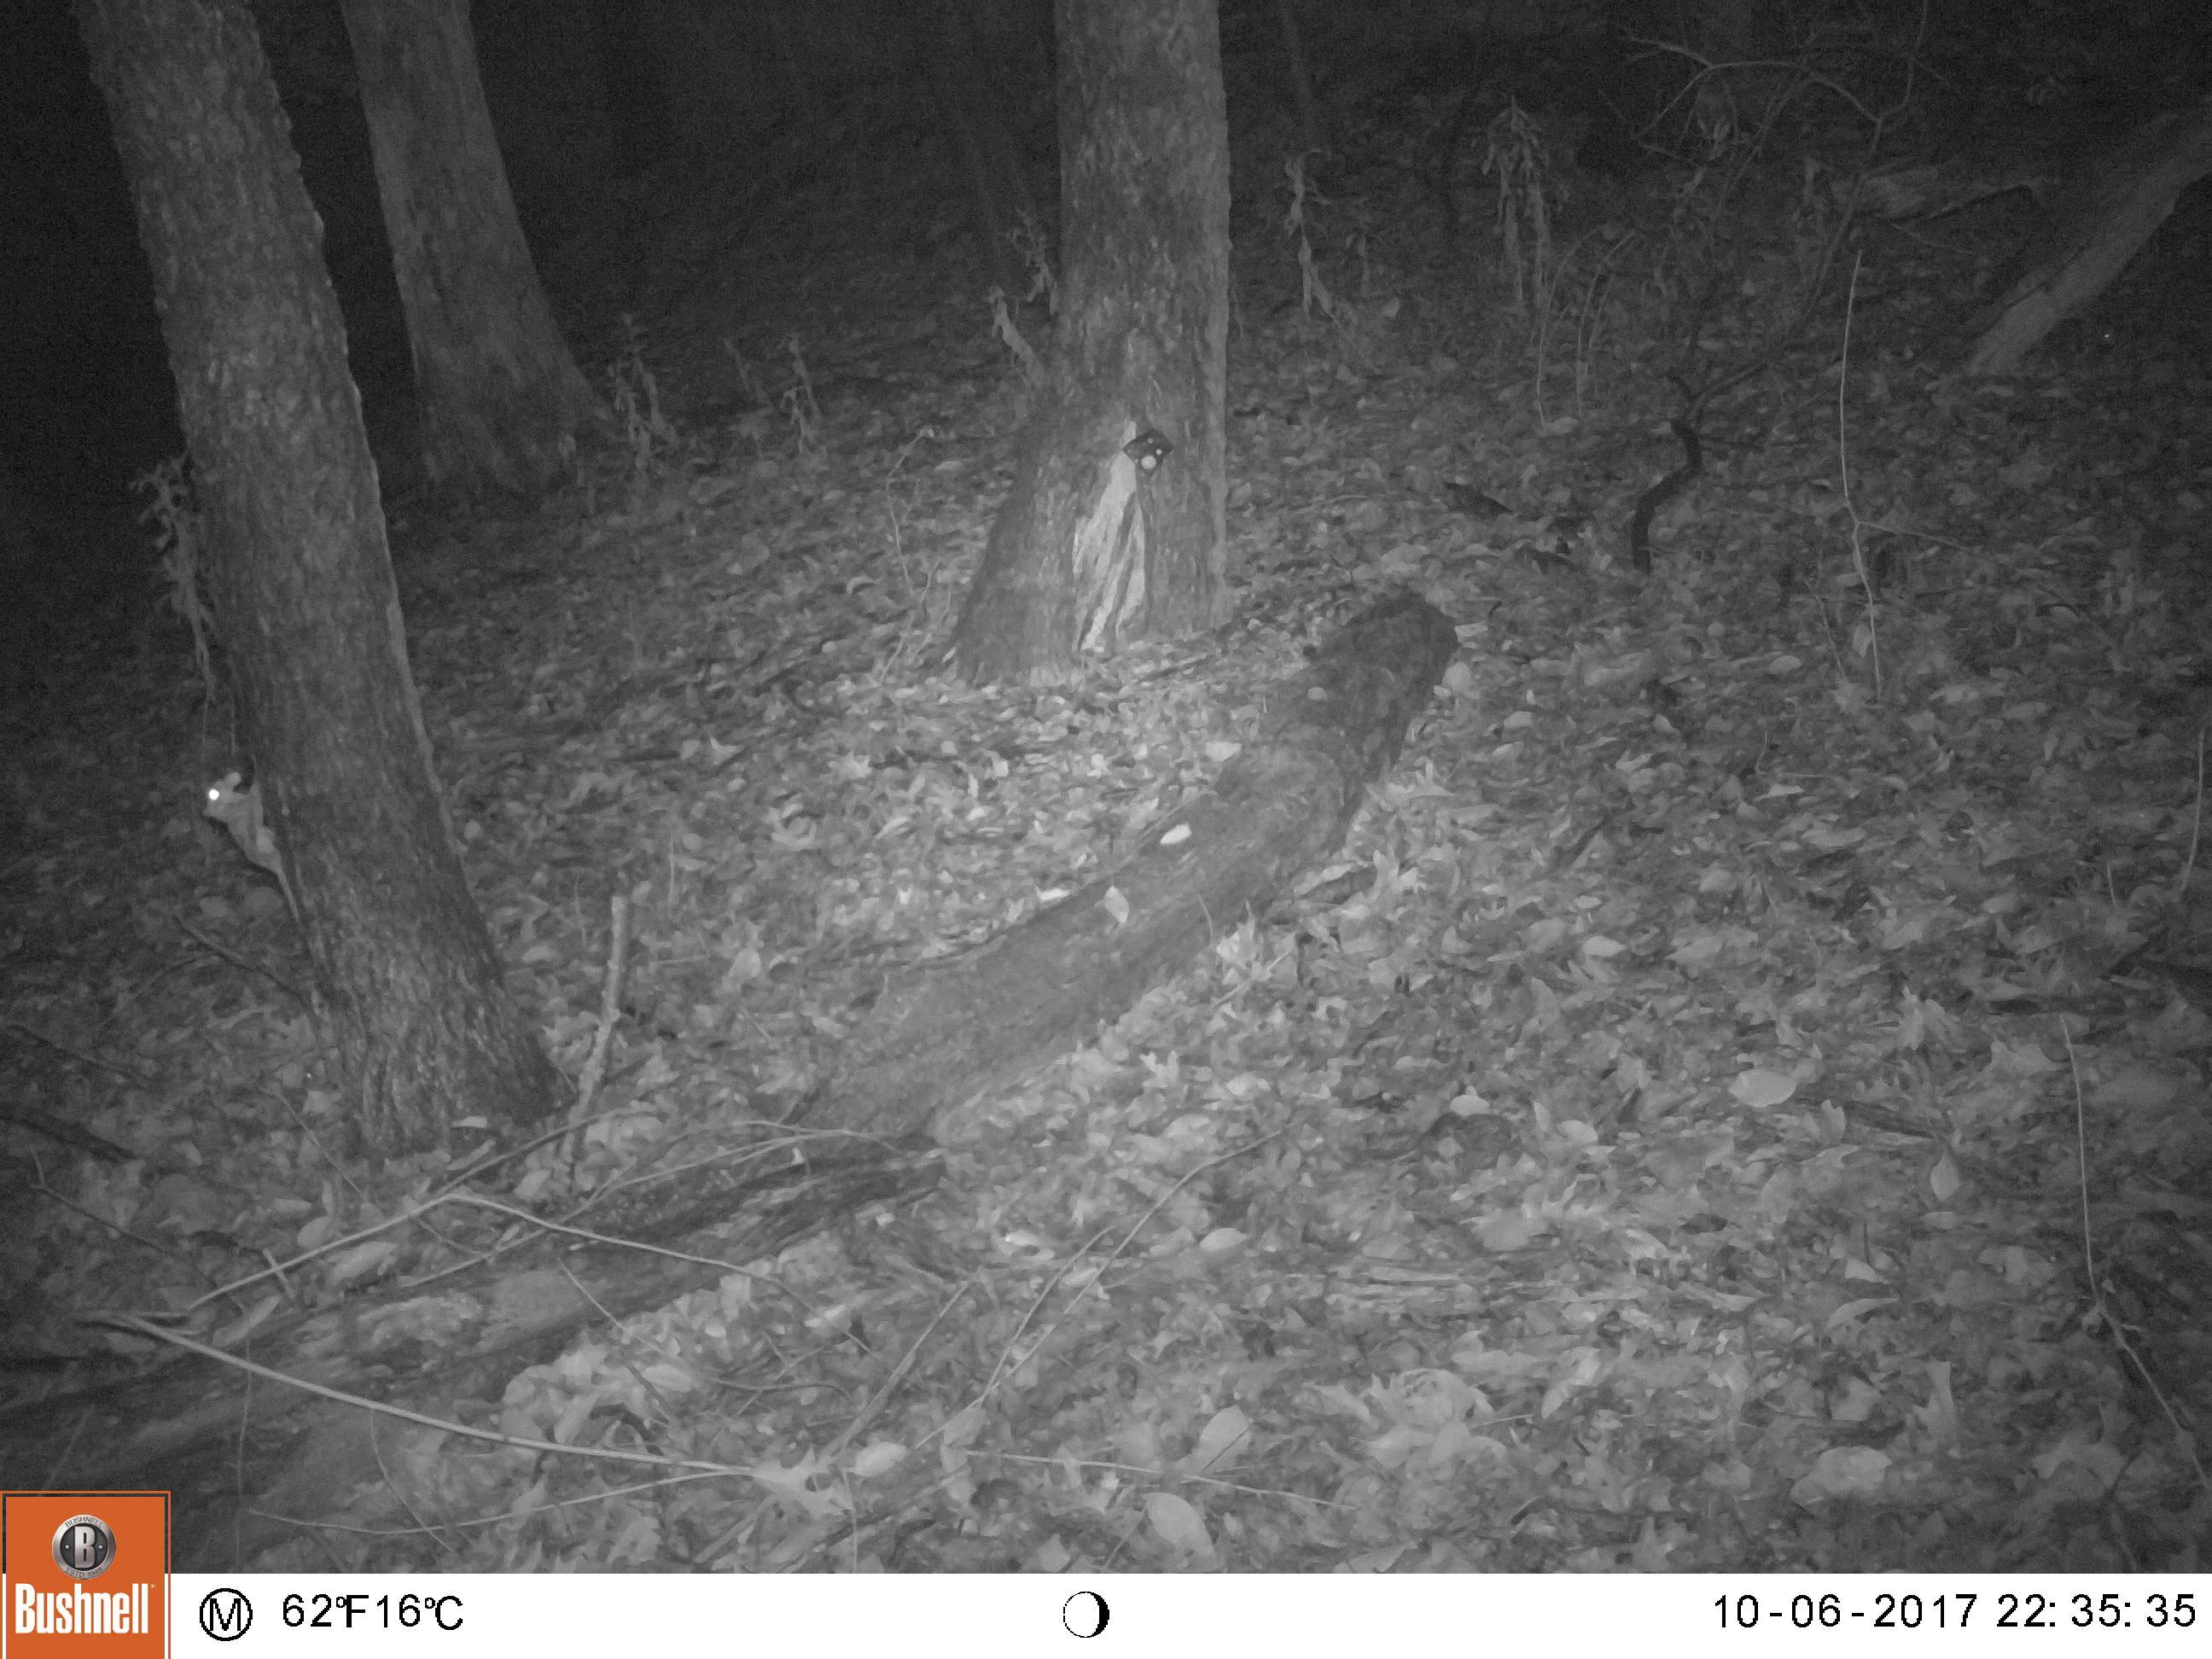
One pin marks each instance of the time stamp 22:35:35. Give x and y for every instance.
(1964, 1610)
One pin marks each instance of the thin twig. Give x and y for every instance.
(2189, 863)
(406, 1500)
(40, 1185)
(1139, 1470)
(2183, 1437)
(462, 1523)
(123, 1002)
(238, 960)
(713, 1551)
(64, 1131)
(595, 1068)
(475, 1200)
(999, 1371)
(1843, 471)
(94, 1060)
(385, 1408)
(308, 1130)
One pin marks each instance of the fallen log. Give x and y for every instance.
(225, 1441)
(2099, 219)
(943, 1032)
(216, 1436)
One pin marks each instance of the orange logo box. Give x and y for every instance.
(84, 1574)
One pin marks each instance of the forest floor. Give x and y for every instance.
(1738, 1102)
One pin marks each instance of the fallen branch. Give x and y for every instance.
(211, 1432)
(943, 1032)
(216, 1433)
(2100, 221)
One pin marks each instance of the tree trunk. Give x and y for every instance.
(1743, 31)
(301, 577)
(802, 101)
(1311, 132)
(1106, 536)
(499, 397)
(947, 1030)
(983, 146)
(632, 83)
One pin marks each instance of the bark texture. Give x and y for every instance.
(947, 1030)
(1311, 130)
(1093, 547)
(499, 397)
(300, 576)
(981, 145)
(2100, 218)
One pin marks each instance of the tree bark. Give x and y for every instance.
(300, 575)
(2100, 218)
(983, 146)
(1311, 132)
(498, 395)
(1093, 547)
(632, 83)
(802, 99)
(947, 1030)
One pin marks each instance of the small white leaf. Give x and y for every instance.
(1761, 1087)
(238, 1329)
(361, 1261)
(1697, 949)
(1180, 1526)
(1851, 1312)
(879, 1458)
(1217, 1443)
(1843, 1471)
(745, 967)
(1943, 1179)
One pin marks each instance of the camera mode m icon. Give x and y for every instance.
(225, 1615)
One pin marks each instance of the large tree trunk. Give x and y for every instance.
(982, 145)
(1312, 131)
(301, 577)
(632, 83)
(802, 99)
(1105, 538)
(499, 397)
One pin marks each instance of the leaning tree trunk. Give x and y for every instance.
(1115, 525)
(499, 397)
(300, 576)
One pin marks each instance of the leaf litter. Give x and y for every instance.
(1737, 1100)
